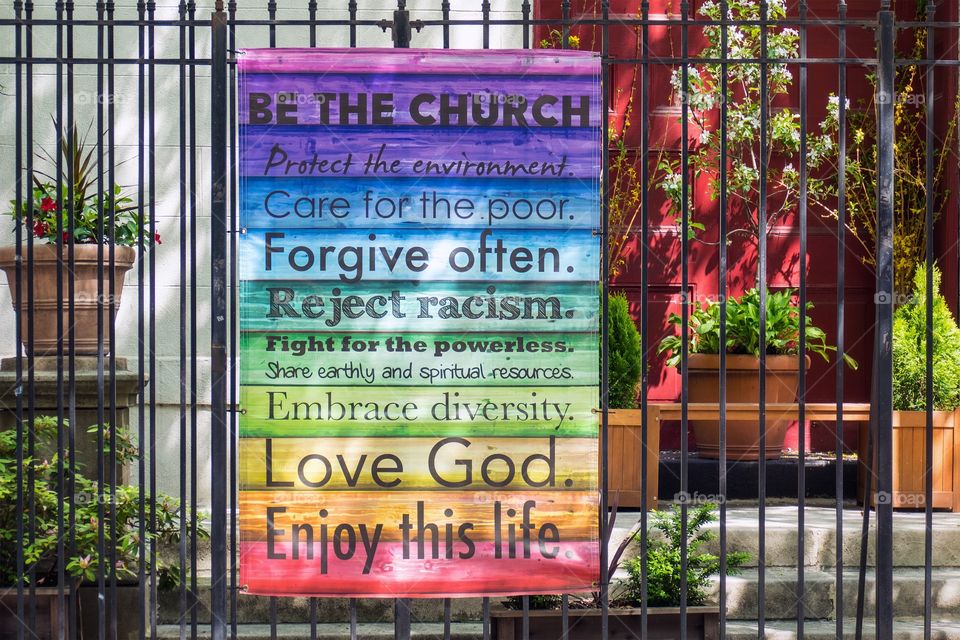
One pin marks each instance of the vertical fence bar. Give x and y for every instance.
(605, 521)
(112, 475)
(101, 468)
(154, 239)
(445, 15)
(802, 357)
(722, 290)
(182, 368)
(685, 304)
(883, 356)
(401, 40)
(233, 508)
(141, 314)
(525, 620)
(525, 13)
(485, 12)
(564, 43)
(644, 306)
(18, 302)
(70, 498)
(485, 608)
(60, 243)
(565, 25)
(841, 307)
(762, 288)
(194, 340)
(352, 10)
(353, 619)
(272, 28)
(929, 150)
(218, 326)
(31, 382)
(31, 356)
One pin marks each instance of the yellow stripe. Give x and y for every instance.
(426, 463)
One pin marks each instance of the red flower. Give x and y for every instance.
(65, 237)
(48, 204)
(40, 229)
(156, 238)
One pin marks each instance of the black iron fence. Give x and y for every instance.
(153, 90)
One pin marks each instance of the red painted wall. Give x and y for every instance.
(783, 241)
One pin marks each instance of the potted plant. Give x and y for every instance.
(910, 400)
(90, 514)
(110, 218)
(664, 572)
(743, 364)
(624, 420)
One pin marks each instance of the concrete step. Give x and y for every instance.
(904, 629)
(334, 631)
(782, 593)
(782, 534)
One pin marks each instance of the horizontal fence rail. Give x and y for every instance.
(121, 384)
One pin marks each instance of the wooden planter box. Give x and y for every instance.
(624, 456)
(47, 611)
(47, 607)
(663, 623)
(909, 460)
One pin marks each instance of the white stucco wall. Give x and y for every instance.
(168, 204)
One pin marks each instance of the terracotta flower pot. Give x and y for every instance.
(743, 385)
(46, 298)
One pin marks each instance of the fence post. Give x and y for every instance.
(401, 40)
(883, 356)
(218, 325)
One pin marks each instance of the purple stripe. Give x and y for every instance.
(405, 87)
(408, 145)
(502, 61)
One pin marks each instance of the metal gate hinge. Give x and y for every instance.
(401, 27)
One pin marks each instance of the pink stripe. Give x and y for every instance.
(450, 61)
(575, 569)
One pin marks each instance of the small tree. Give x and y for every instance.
(626, 359)
(664, 569)
(704, 93)
(910, 350)
(910, 169)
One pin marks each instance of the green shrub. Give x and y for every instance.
(626, 359)
(743, 328)
(910, 350)
(120, 529)
(663, 560)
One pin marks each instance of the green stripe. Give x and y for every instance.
(464, 359)
(418, 411)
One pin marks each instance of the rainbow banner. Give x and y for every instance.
(419, 265)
